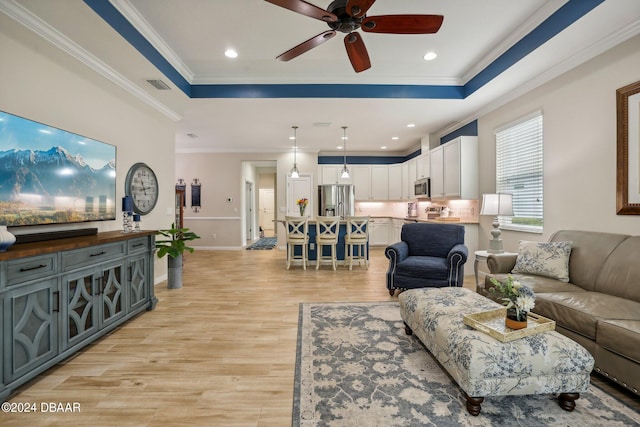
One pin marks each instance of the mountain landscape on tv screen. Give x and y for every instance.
(54, 186)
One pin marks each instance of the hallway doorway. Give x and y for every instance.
(266, 217)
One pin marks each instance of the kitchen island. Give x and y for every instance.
(385, 230)
(326, 250)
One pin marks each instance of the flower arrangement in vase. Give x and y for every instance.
(302, 204)
(518, 298)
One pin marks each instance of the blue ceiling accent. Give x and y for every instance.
(113, 17)
(470, 129)
(361, 160)
(326, 91)
(561, 19)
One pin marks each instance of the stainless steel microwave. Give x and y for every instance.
(423, 187)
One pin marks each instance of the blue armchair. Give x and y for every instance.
(428, 255)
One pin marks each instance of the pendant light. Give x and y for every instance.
(345, 172)
(294, 170)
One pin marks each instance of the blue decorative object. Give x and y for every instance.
(127, 204)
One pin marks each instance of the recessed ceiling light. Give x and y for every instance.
(292, 138)
(395, 138)
(384, 147)
(430, 56)
(411, 125)
(230, 53)
(339, 147)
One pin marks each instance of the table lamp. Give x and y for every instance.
(496, 204)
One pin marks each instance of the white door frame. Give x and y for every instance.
(249, 212)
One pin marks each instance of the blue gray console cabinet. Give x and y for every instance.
(58, 296)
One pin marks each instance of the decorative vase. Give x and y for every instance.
(6, 238)
(515, 320)
(302, 208)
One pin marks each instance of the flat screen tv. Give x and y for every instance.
(51, 176)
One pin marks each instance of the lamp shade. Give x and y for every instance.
(497, 204)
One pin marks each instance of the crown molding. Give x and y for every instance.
(324, 79)
(134, 17)
(23, 16)
(598, 48)
(543, 13)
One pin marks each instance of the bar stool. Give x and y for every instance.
(327, 235)
(357, 237)
(297, 235)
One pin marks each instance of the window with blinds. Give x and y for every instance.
(519, 171)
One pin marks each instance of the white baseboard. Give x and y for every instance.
(159, 279)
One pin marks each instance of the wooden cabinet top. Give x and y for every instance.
(22, 250)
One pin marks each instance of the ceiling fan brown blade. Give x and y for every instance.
(307, 9)
(358, 8)
(306, 46)
(402, 24)
(357, 52)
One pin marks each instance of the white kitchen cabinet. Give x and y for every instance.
(361, 179)
(436, 159)
(405, 181)
(412, 165)
(371, 182)
(379, 188)
(379, 231)
(395, 230)
(454, 169)
(423, 167)
(330, 174)
(395, 182)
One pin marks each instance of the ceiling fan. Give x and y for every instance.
(347, 16)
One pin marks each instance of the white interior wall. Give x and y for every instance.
(222, 176)
(40, 82)
(579, 111)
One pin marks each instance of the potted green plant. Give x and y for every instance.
(174, 245)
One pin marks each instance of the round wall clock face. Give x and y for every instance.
(142, 185)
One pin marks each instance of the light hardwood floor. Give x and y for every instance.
(218, 352)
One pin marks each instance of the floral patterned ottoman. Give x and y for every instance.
(483, 366)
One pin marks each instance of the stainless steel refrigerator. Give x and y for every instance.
(336, 199)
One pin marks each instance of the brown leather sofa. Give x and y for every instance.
(600, 305)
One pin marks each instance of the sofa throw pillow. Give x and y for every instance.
(549, 259)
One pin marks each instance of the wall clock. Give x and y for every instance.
(142, 185)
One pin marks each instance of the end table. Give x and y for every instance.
(482, 256)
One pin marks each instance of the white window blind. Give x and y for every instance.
(519, 171)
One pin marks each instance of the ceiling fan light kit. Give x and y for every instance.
(348, 16)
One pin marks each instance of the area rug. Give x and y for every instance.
(263, 243)
(355, 366)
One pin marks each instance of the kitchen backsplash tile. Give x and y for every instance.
(464, 209)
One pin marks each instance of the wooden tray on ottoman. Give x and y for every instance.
(492, 323)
